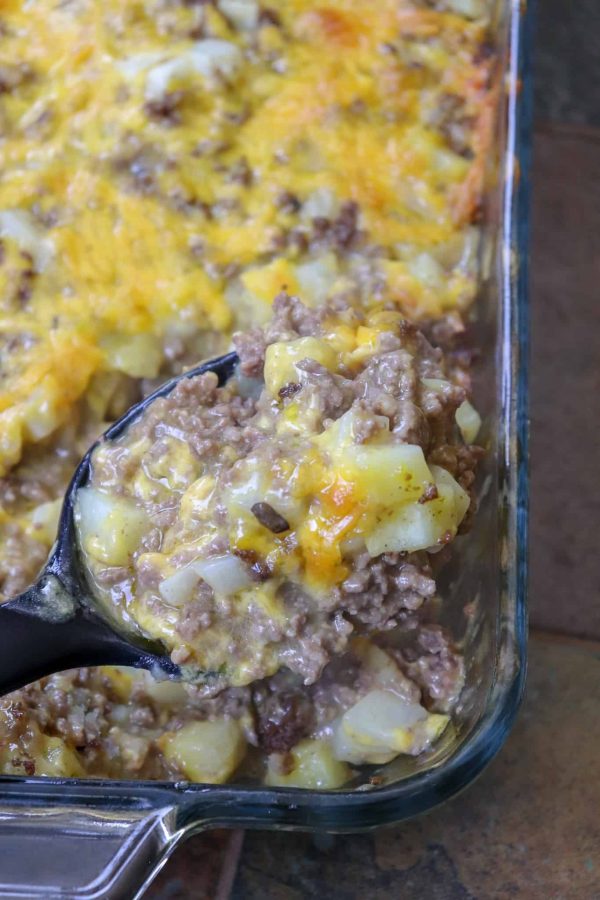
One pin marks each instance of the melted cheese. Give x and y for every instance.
(146, 146)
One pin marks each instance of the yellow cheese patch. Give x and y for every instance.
(164, 166)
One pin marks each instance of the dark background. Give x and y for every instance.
(529, 828)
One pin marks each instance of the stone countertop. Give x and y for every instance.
(529, 828)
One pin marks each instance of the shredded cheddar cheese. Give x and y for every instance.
(168, 168)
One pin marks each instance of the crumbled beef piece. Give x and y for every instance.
(288, 202)
(381, 589)
(289, 390)
(250, 346)
(283, 718)
(166, 110)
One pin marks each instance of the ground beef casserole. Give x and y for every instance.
(168, 169)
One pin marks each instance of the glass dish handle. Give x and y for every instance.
(82, 853)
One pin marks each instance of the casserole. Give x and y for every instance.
(120, 833)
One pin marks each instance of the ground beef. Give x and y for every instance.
(310, 638)
(196, 411)
(340, 233)
(198, 613)
(166, 110)
(284, 713)
(454, 124)
(250, 346)
(13, 76)
(435, 666)
(331, 394)
(460, 461)
(381, 591)
(22, 559)
(291, 319)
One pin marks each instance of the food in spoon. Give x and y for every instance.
(259, 525)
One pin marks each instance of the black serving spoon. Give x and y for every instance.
(55, 624)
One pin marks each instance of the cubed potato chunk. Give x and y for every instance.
(381, 725)
(44, 521)
(138, 355)
(419, 526)
(110, 528)
(316, 278)
(56, 759)
(387, 474)
(281, 359)
(243, 13)
(312, 766)
(122, 680)
(177, 589)
(340, 434)
(207, 752)
(469, 422)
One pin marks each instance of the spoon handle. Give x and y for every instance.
(45, 630)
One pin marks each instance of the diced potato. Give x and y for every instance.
(243, 13)
(384, 671)
(382, 718)
(130, 67)
(205, 751)
(418, 526)
(313, 766)
(194, 501)
(121, 679)
(133, 749)
(44, 521)
(427, 270)
(20, 226)
(439, 385)
(248, 309)
(387, 474)
(110, 528)
(167, 693)
(322, 203)
(469, 422)
(178, 588)
(56, 759)
(11, 439)
(380, 726)
(316, 278)
(138, 355)
(208, 58)
(471, 9)
(281, 359)
(341, 432)
(226, 574)
(42, 410)
(109, 394)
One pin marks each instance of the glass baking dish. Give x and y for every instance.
(108, 839)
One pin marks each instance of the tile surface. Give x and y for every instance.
(528, 829)
(197, 870)
(565, 382)
(567, 61)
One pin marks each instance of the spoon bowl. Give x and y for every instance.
(56, 624)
